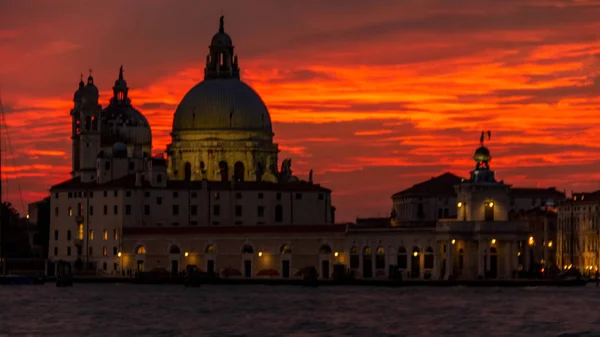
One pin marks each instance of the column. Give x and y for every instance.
(436, 262)
(449, 258)
(488, 256)
(508, 260)
(527, 258)
(422, 264)
(546, 253)
(409, 258)
(480, 257)
(515, 257)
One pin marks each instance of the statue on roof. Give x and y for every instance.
(310, 176)
(482, 138)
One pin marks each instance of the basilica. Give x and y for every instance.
(220, 202)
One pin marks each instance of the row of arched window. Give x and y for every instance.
(246, 249)
(238, 170)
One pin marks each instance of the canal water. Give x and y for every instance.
(148, 310)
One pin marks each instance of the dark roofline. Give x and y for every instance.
(128, 182)
(447, 178)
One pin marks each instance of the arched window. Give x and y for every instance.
(278, 213)
(285, 249)
(380, 258)
(188, 171)
(80, 231)
(367, 251)
(140, 250)
(210, 249)
(247, 249)
(325, 249)
(238, 171)
(354, 258)
(402, 262)
(174, 249)
(224, 169)
(428, 258)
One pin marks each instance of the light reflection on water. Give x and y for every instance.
(130, 310)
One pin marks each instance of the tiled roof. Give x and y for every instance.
(586, 196)
(442, 185)
(537, 211)
(129, 182)
(235, 229)
(373, 222)
(545, 193)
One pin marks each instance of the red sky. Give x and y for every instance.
(375, 96)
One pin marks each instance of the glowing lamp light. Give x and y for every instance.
(518, 253)
(259, 254)
(550, 244)
(453, 241)
(27, 216)
(415, 254)
(490, 204)
(493, 241)
(460, 204)
(531, 241)
(119, 254)
(336, 254)
(186, 254)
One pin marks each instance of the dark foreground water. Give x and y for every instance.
(130, 310)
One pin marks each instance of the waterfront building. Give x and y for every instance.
(578, 232)
(543, 239)
(219, 201)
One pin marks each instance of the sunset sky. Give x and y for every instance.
(374, 96)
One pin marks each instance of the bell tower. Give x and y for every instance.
(75, 124)
(482, 198)
(120, 90)
(221, 61)
(89, 131)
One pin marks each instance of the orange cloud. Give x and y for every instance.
(374, 98)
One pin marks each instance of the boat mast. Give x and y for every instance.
(2, 261)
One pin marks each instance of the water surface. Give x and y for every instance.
(170, 310)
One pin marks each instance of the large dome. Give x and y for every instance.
(222, 104)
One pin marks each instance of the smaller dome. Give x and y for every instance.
(90, 90)
(482, 154)
(119, 150)
(221, 39)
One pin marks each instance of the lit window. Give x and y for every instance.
(80, 231)
(105, 235)
(140, 250)
(104, 251)
(70, 211)
(91, 235)
(211, 249)
(116, 234)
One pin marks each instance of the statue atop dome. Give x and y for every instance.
(222, 24)
(482, 155)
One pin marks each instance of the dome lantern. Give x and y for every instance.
(220, 62)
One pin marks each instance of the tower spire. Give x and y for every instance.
(121, 72)
(222, 24)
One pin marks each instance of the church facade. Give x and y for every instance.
(219, 201)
